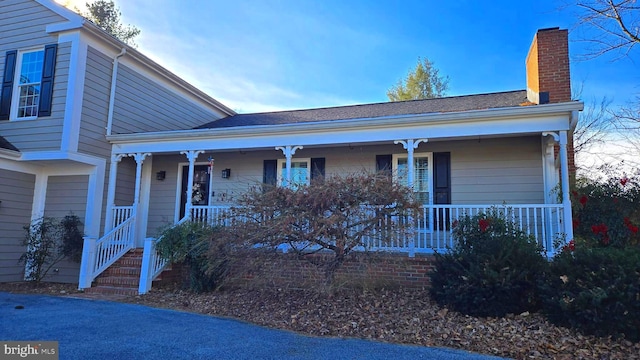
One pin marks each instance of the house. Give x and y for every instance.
(106, 133)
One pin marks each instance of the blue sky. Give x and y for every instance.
(273, 55)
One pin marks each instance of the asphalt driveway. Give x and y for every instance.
(92, 329)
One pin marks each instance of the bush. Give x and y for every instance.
(595, 290)
(491, 271)
(190, 244)
(606, 212)
(49, 241)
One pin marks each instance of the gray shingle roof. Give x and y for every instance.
(439, 105)
(4, 144)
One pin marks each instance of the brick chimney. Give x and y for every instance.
(548, 79)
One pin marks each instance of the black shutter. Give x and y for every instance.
(7, 84)
(317, 169)
(442, 177)
(383, 163)
(270, 172)
(46, 85)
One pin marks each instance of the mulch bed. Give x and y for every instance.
(404, 316)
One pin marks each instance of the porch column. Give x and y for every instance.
(111, 191)
(410, 145)
(192, 155)
(139, 158)
(562, 139)
(564, 174)
(288, 152)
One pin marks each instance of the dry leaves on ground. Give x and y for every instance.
(400, 316)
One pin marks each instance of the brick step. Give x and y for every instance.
(121, 271)
(112, 290)
(130, 262)
(124, 281)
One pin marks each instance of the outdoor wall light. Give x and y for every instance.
(226, 173)
(161, 175)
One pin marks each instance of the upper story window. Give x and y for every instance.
(26, 95)
(27, 83)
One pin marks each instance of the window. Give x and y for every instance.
(27, 91)
(26, 87)
(300, 174)
(422, 184)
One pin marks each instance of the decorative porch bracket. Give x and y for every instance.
(192, 155)
(410, 145)
(111, 191)
(561, 138)
(288, 152)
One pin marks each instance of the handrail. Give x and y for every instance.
(152, 263)
(112, 246)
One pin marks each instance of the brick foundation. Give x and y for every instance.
(286, 270)
(373, 270)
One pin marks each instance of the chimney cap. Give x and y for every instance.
(549, 29)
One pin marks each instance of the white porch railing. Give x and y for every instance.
(152, 263)
(120, 214)
(98, 255)
(545, 222)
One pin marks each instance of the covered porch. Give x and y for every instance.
(463, 168)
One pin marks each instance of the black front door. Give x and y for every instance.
(199, 189)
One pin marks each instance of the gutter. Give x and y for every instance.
(522, 112)
(112, 94)
(6, 153)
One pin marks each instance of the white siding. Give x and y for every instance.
(66, 195)
(144, 105)
(22, 26)
(16, 194)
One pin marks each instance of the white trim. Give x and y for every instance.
(112, 92)
(145, 194)
(93, 210)
(10, 154)
(551, 114)
(39, 196)
(15, 92)
(75, 90)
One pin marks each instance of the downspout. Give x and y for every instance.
(112, 95)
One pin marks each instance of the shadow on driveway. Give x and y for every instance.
(92, 329)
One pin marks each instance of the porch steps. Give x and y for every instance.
(121, 278)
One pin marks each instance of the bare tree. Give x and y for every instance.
(331, 218)
(617, 25)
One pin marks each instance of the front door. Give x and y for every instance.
(199, 190)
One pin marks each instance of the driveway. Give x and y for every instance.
(93, 329)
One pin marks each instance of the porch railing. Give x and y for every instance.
(120, 214)
(433, 227)
(152, 263)
(98, 255)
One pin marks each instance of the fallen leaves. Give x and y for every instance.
(401, 316)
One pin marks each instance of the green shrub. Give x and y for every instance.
(595, 290)
(49, 241)
(491, 271)
(190, 244)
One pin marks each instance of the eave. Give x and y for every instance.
(348, 124)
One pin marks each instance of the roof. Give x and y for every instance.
(4, 144)
(377, 110)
